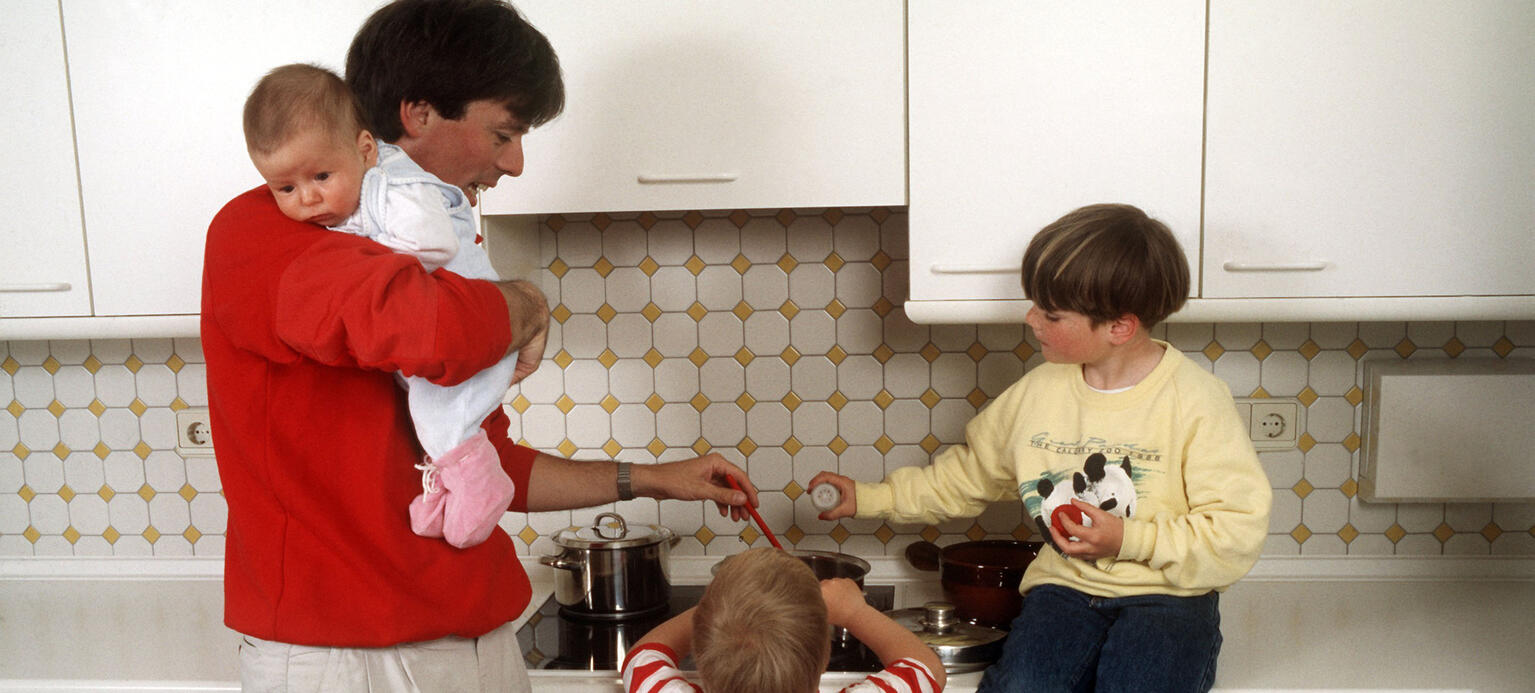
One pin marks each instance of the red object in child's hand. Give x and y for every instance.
(1070, 511)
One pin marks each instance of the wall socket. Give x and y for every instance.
(194, 432)
(1273, 423)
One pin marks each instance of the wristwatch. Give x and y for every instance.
(625, 491)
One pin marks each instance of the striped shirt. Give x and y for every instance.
(652, 668)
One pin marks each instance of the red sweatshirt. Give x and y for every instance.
(303, 329)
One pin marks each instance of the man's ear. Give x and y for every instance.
(415, 117)
(1124, 327)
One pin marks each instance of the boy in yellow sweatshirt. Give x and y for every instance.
(1129, 457)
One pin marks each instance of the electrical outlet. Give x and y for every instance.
(194, 432)
(1273, 424)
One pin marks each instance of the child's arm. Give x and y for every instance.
(676, 633)
(888, 640)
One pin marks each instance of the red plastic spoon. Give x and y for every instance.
(760, 524)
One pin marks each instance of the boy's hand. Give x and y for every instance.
(849, 504)
(1102, 540)
(844, 599)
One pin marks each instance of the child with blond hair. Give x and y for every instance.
(306, 134)
(764, 626)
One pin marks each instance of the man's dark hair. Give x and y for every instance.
(449, 53)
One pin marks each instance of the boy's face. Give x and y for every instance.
(1067, 336)
(315, 178)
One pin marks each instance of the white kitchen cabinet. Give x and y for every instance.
(158, 88)
(41, 237)
(1375, 148)
(1021, 112)
(708, 105)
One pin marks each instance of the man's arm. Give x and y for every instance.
(556, 483)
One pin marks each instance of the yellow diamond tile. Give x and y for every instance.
(51, 365)
(785, 216)
(92, 364)
(1443, 532)
(930, 533)
(146, 492)
(528, 535)
(976, 532)
(1261, 350)
(649, 266)
(1357, 349)
(839, 534)
(791, 401)
(607, 358)
(793, 490)
(702, 446)
(883, 399)
(788, 310)
(884, 534)
(837, 355)
(884, 445)
(1350, 442)
(563, 359)
(142, 450)
(1395, 533)
(739, 218)
(746, 402)
(1354, 396)
(66, 493)
(693, 219)
(833, 262)
(26, 493)
(704, 535)
(10, 365)
(740, 264)
(106, 493)
(133, 363)
(656, 447)
(794, 534)
(565, 404)
(111, 535)
(930, 399)
(832, 216)
(32, 534)
(1492, 531)
(608, 403)
(1348, 534)
(520, 404)
(192, 535)
(606, 313)
(603, 267)
(654, 403)
(20, 451)
(138, 407)
(835, 309)
(1349, 488)
(179, 404)
(555, 222)
(747, 446)
(567, 448)
(1306, 396)
(698, 357)
(976, 398)
(789, 355)
(1454, 347)
(1213, 350)
(612, 448)
(101, 451)
(653, 358)
(787, 263)
(651, 312)
(175, 363)
(931, 352)
(1302, 488)
(742, 310)
(1259, 393)
(61, 451)
(792, 446)
(96, 407)
(1502, 347)
(929, 443)
(1309, 350)
(882, 306)
(558, 268)
(601, 220)
(695, 265)
(1023, 351)
(1405, 348)
(837, 445)
(976, 352)
(151, 534)
(699, 402)
(1300, 534)
(749, 534)
(15, 409)
(881, 260)
(744, 356)
(837, 400)
(560, 314)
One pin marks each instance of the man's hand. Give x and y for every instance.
(529, 357)
(528, 311)
(700, 478)
(844, 599)
(1102, 540)
(849, 504)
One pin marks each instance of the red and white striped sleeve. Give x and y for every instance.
(652, 668)
(905, 675)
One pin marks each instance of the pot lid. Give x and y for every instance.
(960, 645)
(609, 531)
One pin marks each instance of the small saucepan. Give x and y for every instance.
(980, 578)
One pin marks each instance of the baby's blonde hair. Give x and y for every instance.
(300, 98)
(761, 626)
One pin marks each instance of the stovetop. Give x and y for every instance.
(552, 639)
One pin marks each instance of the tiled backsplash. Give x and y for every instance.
(774, 336)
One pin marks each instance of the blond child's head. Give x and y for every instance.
(306, 135)
(761, 626)
(1105, 261)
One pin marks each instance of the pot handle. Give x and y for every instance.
(560, 562)
(923, 555)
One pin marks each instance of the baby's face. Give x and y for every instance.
(316, 179)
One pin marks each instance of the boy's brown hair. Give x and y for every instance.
(298, 98)
(1104, 261)
(761, 625)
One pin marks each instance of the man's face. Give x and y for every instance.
(472, 152)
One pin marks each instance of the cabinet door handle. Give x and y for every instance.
(666, 179)
(29, 288)
(1317, 266)
(975, 269)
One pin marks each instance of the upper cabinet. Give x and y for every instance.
(1372, 148)
(709, 105)
(1022, 112)
(41, 237)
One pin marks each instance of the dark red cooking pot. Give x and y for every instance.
(979, 577)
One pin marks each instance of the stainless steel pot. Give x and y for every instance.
(610, 569)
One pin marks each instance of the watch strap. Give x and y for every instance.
(625, 489)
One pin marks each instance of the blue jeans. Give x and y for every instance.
(1065, 640)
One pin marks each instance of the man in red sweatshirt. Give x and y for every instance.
(303, 329)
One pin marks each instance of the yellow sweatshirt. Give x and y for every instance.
(1201, 500)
